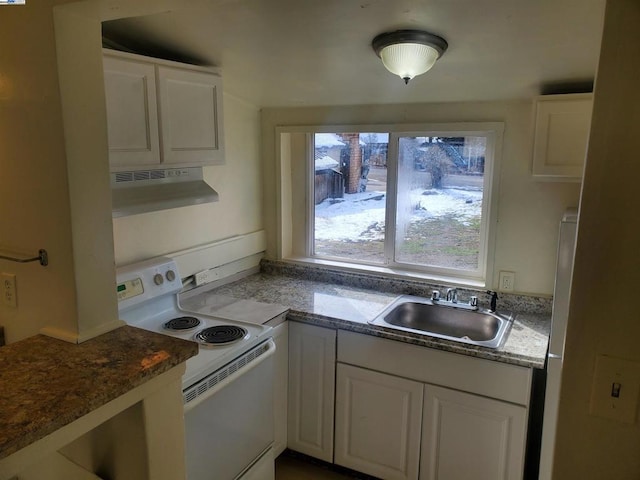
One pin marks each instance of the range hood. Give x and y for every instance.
(143, 191)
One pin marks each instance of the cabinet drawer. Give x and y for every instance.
(511, 383)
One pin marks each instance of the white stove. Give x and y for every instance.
(232, 372)
(148, 299)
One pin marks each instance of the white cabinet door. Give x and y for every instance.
(378, 420)
(468, 437)
(312, 353)
(132, 117)
(561, 136)
(280, 386)
(190, 116)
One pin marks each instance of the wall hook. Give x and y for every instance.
(43, 258)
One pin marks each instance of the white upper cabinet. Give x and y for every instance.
(190, 116)
(132, 115)
(562, 124)
(162, 113)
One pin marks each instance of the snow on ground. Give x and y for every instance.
(359, 215)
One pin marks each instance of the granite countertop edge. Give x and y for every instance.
(48, 383)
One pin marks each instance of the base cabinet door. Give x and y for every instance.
(312, 368)
(280, 387)
(468, 437)
(378, 418)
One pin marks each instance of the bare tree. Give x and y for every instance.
(437, 163)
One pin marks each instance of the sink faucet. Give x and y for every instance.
(450, 299)
(452, 295)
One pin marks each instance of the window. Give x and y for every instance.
(415, 200)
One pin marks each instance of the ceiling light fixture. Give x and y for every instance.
(408, 53)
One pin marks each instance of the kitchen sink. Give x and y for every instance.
(422, 316)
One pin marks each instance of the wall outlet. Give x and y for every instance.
(506, 282)
(206, 276)
(615, 389)
(9, 291)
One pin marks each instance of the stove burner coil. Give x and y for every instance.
(181, 323)
(220, 335)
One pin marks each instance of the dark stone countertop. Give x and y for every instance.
(47, 383)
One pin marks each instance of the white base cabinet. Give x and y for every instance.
(404, 412)
(378, 419)
(468, 437)
(280, 387)
(312, 368)
(473, 423)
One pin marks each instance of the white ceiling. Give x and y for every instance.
(318, 52)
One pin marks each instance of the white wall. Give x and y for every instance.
(34, 194)
(529, 212)
(603, 316)
(239, 210)
(54, 186)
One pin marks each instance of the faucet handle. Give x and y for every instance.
(473, 301)
(435, 295)
(494, 298)
(452, 295)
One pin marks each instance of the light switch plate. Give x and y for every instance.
(615, 390)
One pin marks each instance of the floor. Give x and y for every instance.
(294, 467)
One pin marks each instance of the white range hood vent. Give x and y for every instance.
(143, 191)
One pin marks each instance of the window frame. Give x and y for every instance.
(492, 131)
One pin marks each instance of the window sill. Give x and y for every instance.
(386, 272)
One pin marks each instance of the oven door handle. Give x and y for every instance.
(188, 405)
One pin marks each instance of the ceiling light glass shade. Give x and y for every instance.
(408, 53)
(408, 59)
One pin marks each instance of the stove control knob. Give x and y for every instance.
(158, 279)
(171, 275)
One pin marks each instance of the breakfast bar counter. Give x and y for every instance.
(48, 384)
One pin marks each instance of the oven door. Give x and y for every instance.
(229, 425)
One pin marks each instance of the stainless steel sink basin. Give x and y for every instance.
(421, 316)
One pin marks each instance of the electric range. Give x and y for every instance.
(148, 298)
